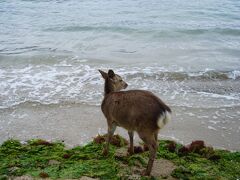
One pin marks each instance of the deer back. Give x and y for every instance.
(134, 109)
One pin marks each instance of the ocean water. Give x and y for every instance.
(185, 51)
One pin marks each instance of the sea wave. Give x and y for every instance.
(181, 76)
(82, 83)
(150, 32)
(220, 31)
(92, 28)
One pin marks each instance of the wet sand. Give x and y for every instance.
(76, 124)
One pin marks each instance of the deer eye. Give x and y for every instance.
(120, 80)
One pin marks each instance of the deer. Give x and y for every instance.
(134, 110)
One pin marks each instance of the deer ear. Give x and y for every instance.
(104, 75)
(111, 74)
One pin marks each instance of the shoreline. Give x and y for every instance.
(77, 124)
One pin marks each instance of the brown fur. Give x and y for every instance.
(137, 110)
(134, 110)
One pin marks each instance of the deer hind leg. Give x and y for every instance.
(111, 130)
(131, 150)
(156, 136)
(151, 141)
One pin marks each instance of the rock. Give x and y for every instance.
(196, 146)
(183, 150)
(13, 169)
(116, 140)
(67, 156)
(163, 168)
(133, 177)
(172, 146)
(42, 142)
(53, 162)
(43, 175)
(121, 153)
(86, 178)
(22, 178)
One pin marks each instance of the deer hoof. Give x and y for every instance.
(130, 153)
(105, 152)
(145, 173)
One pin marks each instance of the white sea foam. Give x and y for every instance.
(212, 128)
(78, 82)
(228, 97)
(234, 74)
(214, 122)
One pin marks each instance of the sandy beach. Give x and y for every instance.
(76, 124)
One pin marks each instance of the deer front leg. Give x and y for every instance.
(131, 149)
(111, 130)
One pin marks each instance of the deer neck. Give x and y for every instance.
(108, 88)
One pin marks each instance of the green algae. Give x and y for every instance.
(42, 159)
(207, 164)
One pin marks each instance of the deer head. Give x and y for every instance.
(113, 82)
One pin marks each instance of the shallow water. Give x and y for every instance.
(186, 52)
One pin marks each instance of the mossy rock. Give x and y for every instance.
(116, 140)
(42, 159)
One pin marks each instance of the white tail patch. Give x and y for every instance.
(163, 119)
